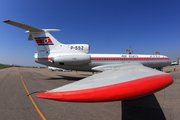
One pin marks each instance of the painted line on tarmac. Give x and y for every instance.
(42, 116)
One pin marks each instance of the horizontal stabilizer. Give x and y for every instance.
(44, 41)
(23, 26)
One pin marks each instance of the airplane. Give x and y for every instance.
(59, 69)
(174, 63)
(121, 77)
(55, 68)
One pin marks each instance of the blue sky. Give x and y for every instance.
(108, 26)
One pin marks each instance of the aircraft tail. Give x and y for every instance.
(44, 41)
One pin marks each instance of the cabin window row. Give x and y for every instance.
(127, 58)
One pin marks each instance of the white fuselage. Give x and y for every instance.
(153, 61)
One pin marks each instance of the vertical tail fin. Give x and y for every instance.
(44, 41)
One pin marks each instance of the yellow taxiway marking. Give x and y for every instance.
(42, 116)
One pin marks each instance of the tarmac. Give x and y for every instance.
(17, 82)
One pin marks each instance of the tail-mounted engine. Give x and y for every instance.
(73, 59)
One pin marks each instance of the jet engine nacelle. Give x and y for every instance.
(73, 59)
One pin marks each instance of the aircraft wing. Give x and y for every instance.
(124, 82)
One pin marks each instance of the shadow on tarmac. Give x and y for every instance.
(144, 108)
(168, 71)
(63, 77)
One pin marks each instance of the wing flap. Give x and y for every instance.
(123, 83)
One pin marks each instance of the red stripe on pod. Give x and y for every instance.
(123, 91)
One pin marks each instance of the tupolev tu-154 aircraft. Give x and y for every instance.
(122, 77)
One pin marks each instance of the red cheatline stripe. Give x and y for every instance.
(44, 58)
(129, 58)
(117, 58)
(122, 91)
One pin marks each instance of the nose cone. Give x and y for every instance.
(50, 95)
